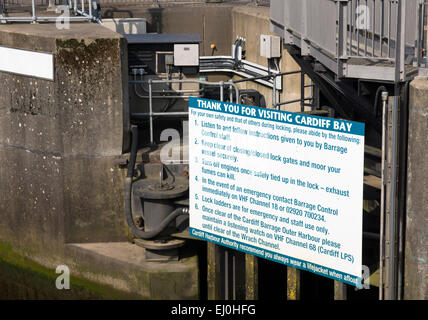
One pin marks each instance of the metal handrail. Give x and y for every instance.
(421, 48)
(83, 13)
(152, 114)
(387, 9)
(387, 37)
(369, 42)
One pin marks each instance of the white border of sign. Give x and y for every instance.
(27, 63)
(332, 200)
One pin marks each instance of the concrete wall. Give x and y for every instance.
(250, 22)
(416, 249)
(219, 24)
(58, 185)
(212, 21)
(58, 138)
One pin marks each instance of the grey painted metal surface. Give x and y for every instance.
(320, 28)
(378, 37)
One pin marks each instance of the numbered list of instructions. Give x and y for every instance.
(279, 185)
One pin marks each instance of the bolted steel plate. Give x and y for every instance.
(153, 190)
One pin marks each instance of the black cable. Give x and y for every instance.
(128, 197)
(375, 107)
(238, 44)
(133, 154)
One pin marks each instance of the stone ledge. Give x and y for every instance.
(123, 266)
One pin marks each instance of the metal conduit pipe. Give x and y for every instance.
(150, 96)
(273, 75)
(193, 81)
(160, 114)
(164, 97)
(128, 198)
(188, 81)
(29, 19)
(173, 91)
(163, 91)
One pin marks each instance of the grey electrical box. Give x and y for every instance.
(186, 55)
(169, 59)
(270, 46)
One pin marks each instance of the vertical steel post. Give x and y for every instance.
(389, 27)
(231, 91)
(234, 276)
(213, 272)
(33, 10)
(366, 34)
(340, 292)
(382, 194)
(391, 200)
(351, 25)
(302, 92)
(251, 277)
(151, 111)
(226, 274)
(293, 283)
(418, 37)
(402, 156)
(400, 42)
(342, 36)
(373, 27)
(393, 191)
(420, 33)
(382, 27)
(274, 94)
(424, 33)
(357, 29)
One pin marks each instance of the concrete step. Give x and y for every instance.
(123, 265)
